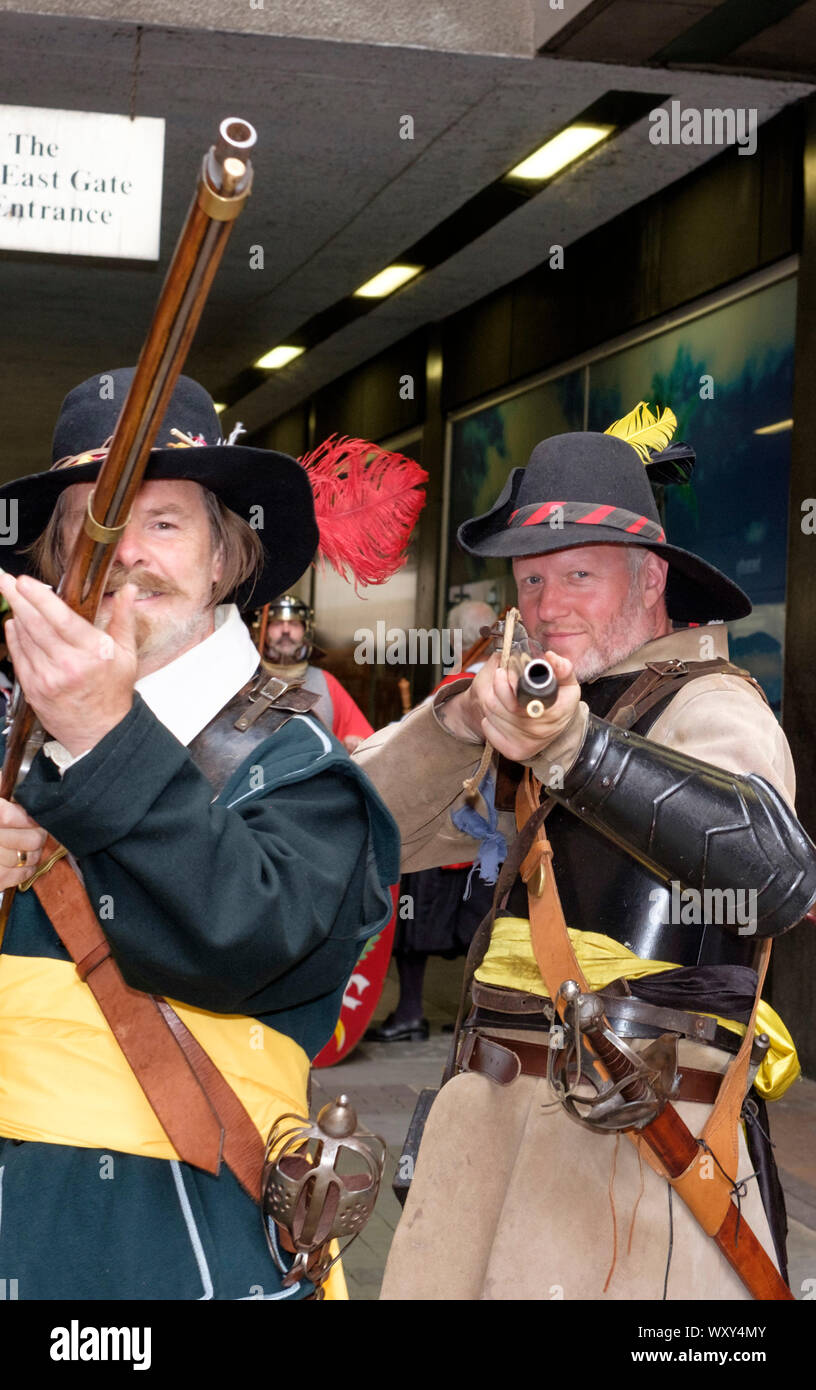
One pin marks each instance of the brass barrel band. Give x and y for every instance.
(218, 208)
(98, 532)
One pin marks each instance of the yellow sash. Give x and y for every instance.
(510, 963)
(65, 1080)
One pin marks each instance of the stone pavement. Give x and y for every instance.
(383, 1081)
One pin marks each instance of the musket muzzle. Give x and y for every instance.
(235, 137)
(227, 166)
(537, 686)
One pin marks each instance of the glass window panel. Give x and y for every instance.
(726, 375)
(485, 446)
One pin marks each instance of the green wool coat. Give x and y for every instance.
(256, 904)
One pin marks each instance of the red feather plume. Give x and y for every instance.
(367, 502)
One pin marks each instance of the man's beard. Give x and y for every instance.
(159, 634)
(284, 651)
(626, 633)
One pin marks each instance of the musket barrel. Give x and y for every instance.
(537, 683)
(217, 201)
(227, 170)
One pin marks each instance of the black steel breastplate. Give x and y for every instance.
(603, 889)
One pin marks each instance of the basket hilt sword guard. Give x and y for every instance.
(637, 1085)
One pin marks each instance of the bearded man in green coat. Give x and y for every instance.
(247, 910)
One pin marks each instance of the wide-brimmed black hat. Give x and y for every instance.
(268, 490)
(590, 489)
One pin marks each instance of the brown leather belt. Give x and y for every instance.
(620, 1010)
(504, 1059)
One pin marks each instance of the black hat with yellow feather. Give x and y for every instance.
(593, 489)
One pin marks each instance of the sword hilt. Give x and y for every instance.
(592, 1022)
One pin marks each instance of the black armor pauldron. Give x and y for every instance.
(691, 823)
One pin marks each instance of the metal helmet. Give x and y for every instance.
(293, 609)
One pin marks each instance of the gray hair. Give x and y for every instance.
(469, 617)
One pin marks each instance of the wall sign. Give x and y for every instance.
(79, 183)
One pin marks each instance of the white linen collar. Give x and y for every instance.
(188, 692)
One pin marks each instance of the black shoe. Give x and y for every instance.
(392, 1030)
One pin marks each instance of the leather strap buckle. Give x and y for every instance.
(259, 701)
(536, 878)
(674, 667)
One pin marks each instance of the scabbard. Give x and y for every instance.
(672, 1142)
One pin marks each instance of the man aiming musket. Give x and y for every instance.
(589, 1144)
(247, 912)
(194, 862)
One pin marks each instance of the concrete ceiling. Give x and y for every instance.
(772, 37)
(338, 193)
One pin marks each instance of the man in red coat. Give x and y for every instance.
(288, 645)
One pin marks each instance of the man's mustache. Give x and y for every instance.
(143, 580)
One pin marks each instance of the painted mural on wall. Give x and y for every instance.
(728, 376)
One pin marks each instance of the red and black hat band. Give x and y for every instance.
(588, 514)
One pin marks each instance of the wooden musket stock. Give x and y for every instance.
(223, 187)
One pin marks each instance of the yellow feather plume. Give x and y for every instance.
(645, 431)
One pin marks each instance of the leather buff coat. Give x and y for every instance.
(510, 1198)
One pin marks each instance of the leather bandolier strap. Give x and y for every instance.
(154, 1054)
(197, 1108)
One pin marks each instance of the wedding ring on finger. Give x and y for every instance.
(22, 858)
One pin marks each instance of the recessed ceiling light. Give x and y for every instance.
(777, 428)
(278, 357)
(387, 281)
(557, 153)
